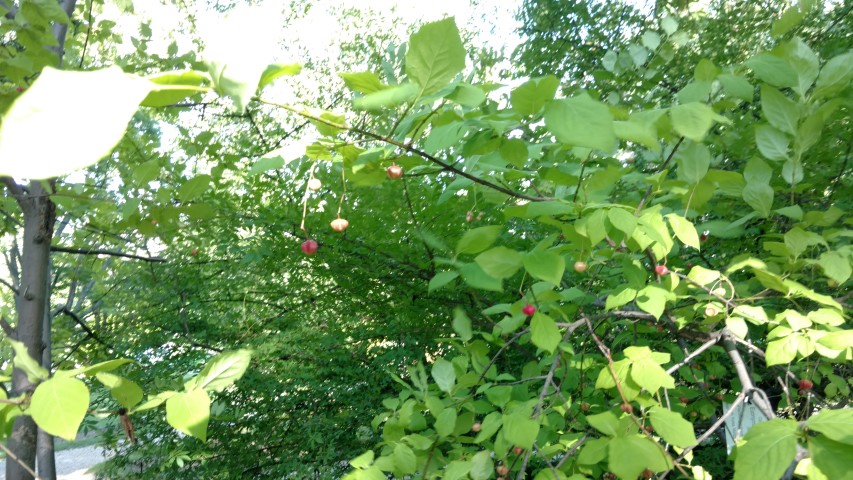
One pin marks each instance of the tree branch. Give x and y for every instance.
(409, 148)
(88, 251)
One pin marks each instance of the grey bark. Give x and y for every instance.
(33, 297)
(45, 459)
(31, 302)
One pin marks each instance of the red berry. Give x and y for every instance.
(627, 408)
(518, 450)
(719, 397)
(469, 217)
(584, 407)
(394, 172)
(703, 237)
(580, 267)
(194, 252)
(309, 247)
(661, 269)
(805, 384)
(528, 310)
(648, 473)
(476, 427)
(19, 89)
(339, 224)
(649, 429)
(684, 400)
(502, 470)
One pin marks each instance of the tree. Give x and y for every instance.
(617, 216)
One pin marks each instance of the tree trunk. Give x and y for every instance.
(31, 303)
(45, 459)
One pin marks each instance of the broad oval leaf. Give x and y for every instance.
(189, 412)
(435, 55)
(223, 370)
(50, 109)
(126, 392)
(672, 427)
(581, 121)
(58, 406)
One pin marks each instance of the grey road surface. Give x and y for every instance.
(71, 464)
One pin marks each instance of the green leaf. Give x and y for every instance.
(652, 299)
(770, 447)
(532, 95)
(491, 424)
(684, 230)
(193, 188)
(648, 374)
(53, 104)
(782, 351)
(840, 340)
(126, 392)
(467, 95)
(692, 120)
(693, 163)
(363, 82)
(835, 76)
(581, 121)
(171, 87)
(544, 332)
(789, 19)
(629, 456)
(435, 55)
(672, 427)
(736, 86)
(475, 277)
(457, 470)
(189, 412)
(235, 77)
(605, 422)
(265, 164)
(759, 197)
(624, 296)
(519, 429)
(835, 266)
(387, 98)
(444, 375)
(594, 451)
(154, 401)
(462, 324)
(544, 265)
(772, 143)
(446, 422)
(223, 370)
(363, 461)
(622, 220)
(441, 279)
(782, 112)
(833, 459)
(404, 459)
(478, 239)
(482, 466)
(94, 369)
(500, 262)
(835, 424)
(773, 70)
(58, 406)
(26, 363)
(277, 70)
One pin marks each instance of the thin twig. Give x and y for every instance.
(19, 461)
(89, 251)
(409, 148)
